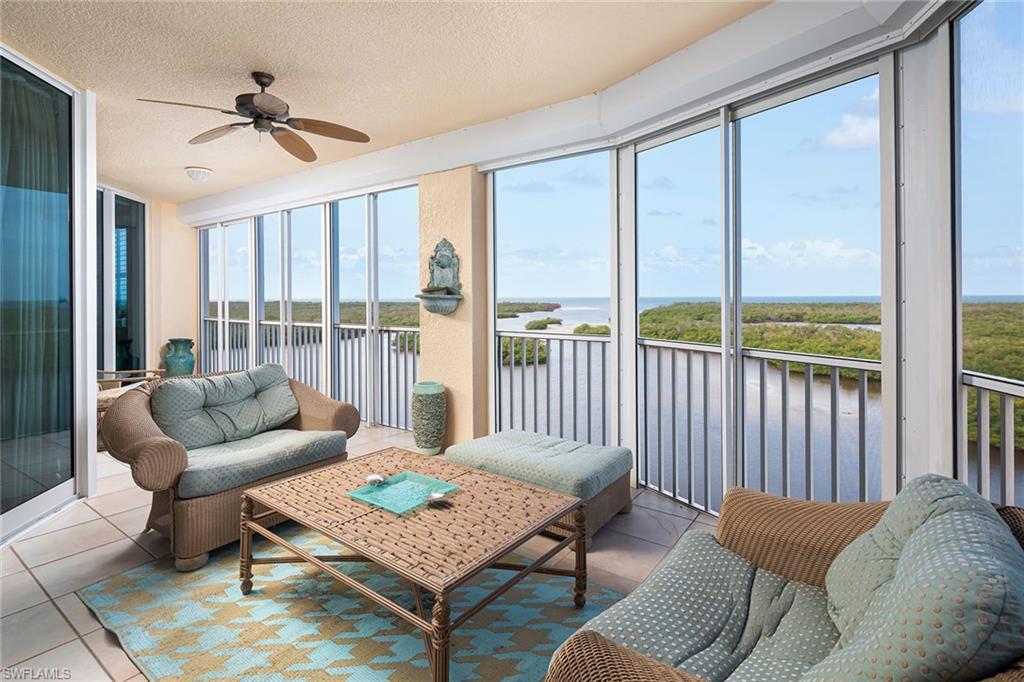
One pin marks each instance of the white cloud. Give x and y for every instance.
(670, 257)
(810, 252)
(990, 66)
(854, 132)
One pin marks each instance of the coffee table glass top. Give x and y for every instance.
(402, 492)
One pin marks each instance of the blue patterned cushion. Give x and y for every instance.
(714, 614)
(209, 410)
(220, 467)
(934, 591)
(557, 464)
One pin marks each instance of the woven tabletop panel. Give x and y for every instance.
(437, 548)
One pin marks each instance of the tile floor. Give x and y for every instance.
(45, 625)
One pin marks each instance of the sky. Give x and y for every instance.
(809, 195)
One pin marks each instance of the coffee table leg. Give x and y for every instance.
(580, 591)
(245, 547)
(440, 637)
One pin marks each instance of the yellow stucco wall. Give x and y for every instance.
(173, 280)
(453, 348)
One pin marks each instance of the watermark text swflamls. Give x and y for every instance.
(26, 673)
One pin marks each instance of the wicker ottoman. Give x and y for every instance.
(599, 475)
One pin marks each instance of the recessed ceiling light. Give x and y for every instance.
(198, 173)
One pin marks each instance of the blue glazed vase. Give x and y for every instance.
(180, 361)
(429, 416)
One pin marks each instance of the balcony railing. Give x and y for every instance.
(237, 351)
(991, 452)
(349, 365)
(553, 383)
(398, 359)
(307, 353)
(811, 424)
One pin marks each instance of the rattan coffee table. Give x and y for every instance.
(434, 549)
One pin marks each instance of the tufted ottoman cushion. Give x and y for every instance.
(566, 466)
(935, 590)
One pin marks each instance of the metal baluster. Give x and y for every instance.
(1007, 438)
(512, 381)
(522, 387)
(657, 369)
(604, 394)
(785, 429)
(707, 461)
(834, 424)
(561, 386)
(984, 444)
(862, 441)
(689, 427)
(808, 424)
(590, 432)
(575, 380)
(763, 417)
(674, 412)
(536, 361)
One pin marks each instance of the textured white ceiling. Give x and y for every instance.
(398, 71)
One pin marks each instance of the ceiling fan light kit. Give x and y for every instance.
(264, 111)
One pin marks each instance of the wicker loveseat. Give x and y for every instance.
(929, 587)
(198, 442)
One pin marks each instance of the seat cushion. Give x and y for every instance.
(935, 590)
(203, 411)
(714, 614)
(220, 467)
(563, 465)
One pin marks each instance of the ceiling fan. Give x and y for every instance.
(266, 110)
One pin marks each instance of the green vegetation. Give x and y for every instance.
(993, 343)
(593, 330)
(520, 350)
(510, 309)
(536, 325)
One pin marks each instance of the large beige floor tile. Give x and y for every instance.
(153, 542)
(110, 467)
(73, 657)
(624, 555)
(131, 522)
(82, 569)
(105, 647)
(19, 591)
(30, 632)
(111, 484)
(120, 501)
(65, 542)
(649, 499)
(649, 524)
(78, 613)
(9, 562)
(77, 513)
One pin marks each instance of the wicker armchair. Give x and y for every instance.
(197, 525)
(793, 538)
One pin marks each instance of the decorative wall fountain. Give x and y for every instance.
(444, 290)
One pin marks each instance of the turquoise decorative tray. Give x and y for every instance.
(402, 492)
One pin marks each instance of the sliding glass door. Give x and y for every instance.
(36, 296)
(120, 281)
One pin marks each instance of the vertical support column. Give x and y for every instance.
(726, 406)
(285, 312)
(624, 322)
(328, 304)
(255, 291)
(453, 348)
(891, 244)
(493, 365)
(372, 309)
(109, 293)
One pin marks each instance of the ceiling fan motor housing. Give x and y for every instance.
(249, 104)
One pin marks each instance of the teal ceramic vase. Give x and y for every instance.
(180, 361)
(429, 416)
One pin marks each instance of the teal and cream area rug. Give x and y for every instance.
(300, 624)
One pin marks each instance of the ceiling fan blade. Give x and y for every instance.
(218, 132)
(293, 144)
(191, 106)
(311, 125)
